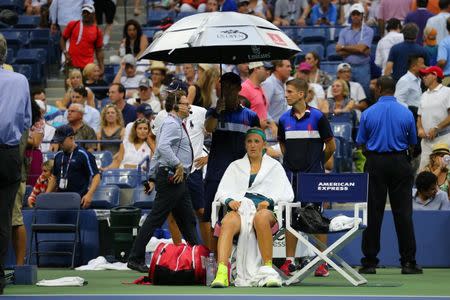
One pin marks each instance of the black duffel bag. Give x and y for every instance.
(309, 220)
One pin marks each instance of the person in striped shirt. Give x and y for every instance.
(41, 183)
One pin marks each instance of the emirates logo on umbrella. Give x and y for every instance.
(277, 39)
(232, 35)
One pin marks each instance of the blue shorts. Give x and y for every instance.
(196, 189)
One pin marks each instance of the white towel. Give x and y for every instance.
(63, 281)
(342, 222)
(100, 264)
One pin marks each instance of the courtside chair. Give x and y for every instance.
(318, 188)
(63, 219)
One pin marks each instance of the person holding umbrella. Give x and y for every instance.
(228, 123)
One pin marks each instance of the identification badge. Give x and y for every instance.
(63, 183)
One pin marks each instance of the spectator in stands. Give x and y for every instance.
(84, 40)
(433, 114)
(61, 13)
(251, 89)
(291, 12)
(143, 111)
(259, 8)
(137, 7)
(443, 56)
(432, 6)
(439, 21)
(316, 93)
(146, 96)
(82, 130)
(49, 130)
(75, 169)
(439, 167)
(430, 45)
(117, 97)
(193, 6)
(357, 94)
(33, 7)
(324, 13)
(91, 115)
(307, 142)
(259, 196)
(212, 5)
(243, 71)
(420, 18)
(128, 76)
(339, 107)
(393, 37)
(408, 91)
(317, 75)
(108, 8)
(427, 195)
(189, 74)
(388, 9)
(50, 110)
(227, 143)
(35, 137)
(274, 88)
(112, 128)
(75, 80)
(242, 6)
(158, 74)
(134, 40)
(134, 149)
(354, 45)
(397, 64)
(92, 78)
(203, 93)
(387, 130)
(42, 182)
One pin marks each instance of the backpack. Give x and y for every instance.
(178, 264)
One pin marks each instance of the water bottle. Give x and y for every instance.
(148, 258)
(122, 50)
(446, 159)
(211, 268)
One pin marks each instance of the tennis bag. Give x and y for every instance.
(178, 264)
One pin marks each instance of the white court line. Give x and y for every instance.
(231, 295)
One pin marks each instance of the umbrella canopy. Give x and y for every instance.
(221, 37)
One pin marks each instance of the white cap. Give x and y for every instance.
(88, 7)
(255, 64)
(343, 66)
(358, 7)
(129, 59)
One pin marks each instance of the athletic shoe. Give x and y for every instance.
(322, 271)
(221, 279)
(288, 267)
(273, 282)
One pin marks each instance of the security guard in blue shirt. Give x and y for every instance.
(74, 167)
(387, 130)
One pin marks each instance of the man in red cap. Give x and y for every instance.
(433, 115)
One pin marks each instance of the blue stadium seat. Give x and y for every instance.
(181, 15)
(11, 56)
(123, 178)
(330, 67)
(48, 155)
(155, 16)
(106, 196)
(28, 190)
(313, 35)
(28, 22)
(319, 48)
(291, 32)
(16, 5)
(40, 38)
(103, 158)
(337, 31)
(25, 70)
(343, 130)
(150, 32)
(16, 39)
(110, 72)
(332, 54)
(30, 56)
(142, 200)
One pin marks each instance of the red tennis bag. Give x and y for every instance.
(178, 264)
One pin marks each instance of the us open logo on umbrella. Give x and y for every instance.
(232, 35)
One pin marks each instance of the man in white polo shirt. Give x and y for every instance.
(433, 115)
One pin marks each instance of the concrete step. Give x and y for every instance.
(55, 83)
(55, 92)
